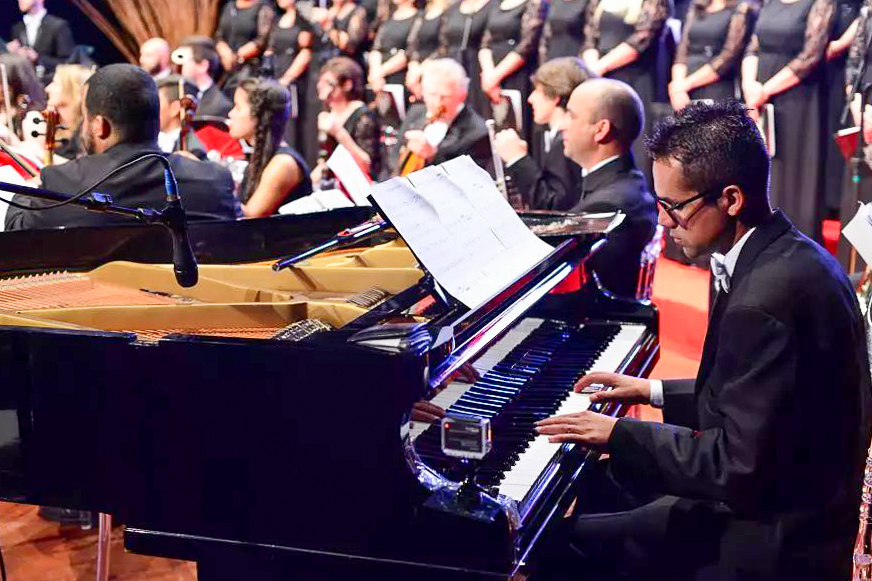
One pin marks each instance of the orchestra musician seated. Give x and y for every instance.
(25, 92)
(65, 94)
(545, 178)
(603, 119)
(442, 127)
(154, 58)
(199, 65)
(347, 121)
(121, 123)
(276, 173)
(170, 137)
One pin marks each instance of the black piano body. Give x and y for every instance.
(267, 457)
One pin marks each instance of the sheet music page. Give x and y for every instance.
(464, 233)
(859, 232)
(8, 175)
(346, 170)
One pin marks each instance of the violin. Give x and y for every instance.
(52, 123)
(411, 162)
(188, 106)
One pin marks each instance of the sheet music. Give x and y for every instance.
(8, 175)
(859, 232)
(317, 201)
(461, 229)
(346, 170)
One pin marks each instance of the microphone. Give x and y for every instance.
(173, 217)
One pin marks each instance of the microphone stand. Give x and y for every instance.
(172, 216)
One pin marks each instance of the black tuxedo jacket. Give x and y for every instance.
(547, 181)
(213, 103)
(774, 429)
(206, 189)
(466, 135)
(54, 41)
(618, 185)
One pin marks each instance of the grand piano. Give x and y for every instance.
(258, 423)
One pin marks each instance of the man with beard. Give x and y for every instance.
(121, 122)
(154, 58)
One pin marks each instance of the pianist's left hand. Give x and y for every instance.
(426, 412)
(586, 428)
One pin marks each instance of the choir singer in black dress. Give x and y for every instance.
(545, 178)
(713, 41)
(603, 119)
(747, 477)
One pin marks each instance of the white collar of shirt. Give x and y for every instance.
(550, 135)
(32, 22)
(587, 172)
(728, 262)
(203, 88)
(167, 140)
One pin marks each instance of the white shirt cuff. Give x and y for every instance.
(656, 393)
(515, 160)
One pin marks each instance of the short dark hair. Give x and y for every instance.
(559, 77)
(619, 103)
(717, 144)
(127, 96)
(203, 49)
(169, 86)
(346, 69)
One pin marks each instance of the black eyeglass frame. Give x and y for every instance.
(673, 209)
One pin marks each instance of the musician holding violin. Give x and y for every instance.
(65, 95)
(197, 61)
(177, 108)
(346, 119)
(442, 127)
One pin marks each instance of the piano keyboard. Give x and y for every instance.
(526, 376)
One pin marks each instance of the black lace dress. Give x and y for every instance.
(363, 126)
(354, 24)
(237, 27)
(286, 43)
(846, 12)
(796, 35)
(460, 39)
(424, 37)
(563, 32)
(392, 39)
(717, 39)
(639, 24)
(517, 29)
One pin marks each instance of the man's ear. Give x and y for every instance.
(101, 127)
(732, 201)
(603, 131)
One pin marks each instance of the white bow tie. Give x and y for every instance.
(719, 271)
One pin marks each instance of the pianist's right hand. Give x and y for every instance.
(625, 388)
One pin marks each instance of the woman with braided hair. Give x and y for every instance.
(276, 173)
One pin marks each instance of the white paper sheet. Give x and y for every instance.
(8, 175)
(346, 170)
(859, 232)
(461, 229)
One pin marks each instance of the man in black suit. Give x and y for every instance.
(545, 178)
(121, 122)
(170, 137)
(45, 40)
(443, 127)
(603, 119)
(756, 472)
(200, 63)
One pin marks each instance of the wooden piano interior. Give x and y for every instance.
(229, 300)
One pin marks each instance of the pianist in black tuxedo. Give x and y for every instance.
(756, 472)
(545, 178)
(200, 64)
(457, 131)
(121, 122)
(604, 118)
(51, 45)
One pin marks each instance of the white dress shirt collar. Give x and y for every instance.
(723, 265)
(587, 172)
(32, 22)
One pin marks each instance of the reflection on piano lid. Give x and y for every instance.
(264, 458)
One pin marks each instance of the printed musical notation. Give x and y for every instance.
(461, 229)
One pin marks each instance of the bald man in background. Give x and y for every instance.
(154, 58)
(603, 119)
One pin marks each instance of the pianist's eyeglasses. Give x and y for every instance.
(672, 210)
